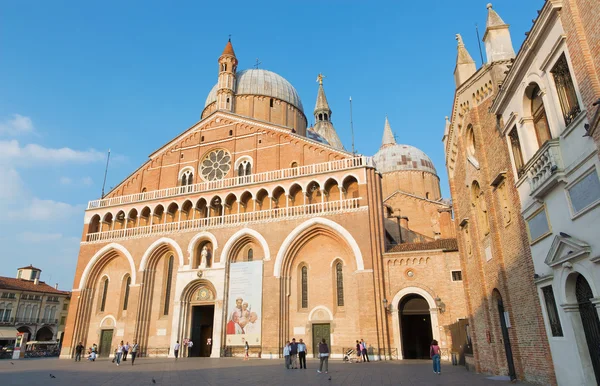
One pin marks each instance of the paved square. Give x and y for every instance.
(230, 372)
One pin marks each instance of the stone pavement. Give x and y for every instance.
(230, 372)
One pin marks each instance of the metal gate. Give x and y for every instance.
(589, 319)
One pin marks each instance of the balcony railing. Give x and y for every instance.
(343, 164)
(23, 320)
(544, 168)
(227, 220)
(49, 321)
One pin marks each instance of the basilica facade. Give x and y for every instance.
(252, 227)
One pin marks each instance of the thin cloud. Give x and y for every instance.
(12, 152)
(87, 181)
(65, 180)
(17, 125)
(36, 237)
(43, 210)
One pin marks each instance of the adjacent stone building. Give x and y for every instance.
(32, 306)
(541, 109)
(505, 316)
(249, 226)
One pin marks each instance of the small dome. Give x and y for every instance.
(261, 82)
(311, 134)
(395, 157)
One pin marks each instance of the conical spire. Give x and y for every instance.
(321, 104)
(493, 19)
(228, 49)
(323, 125)
(465, 65)
(498, 44)
(388, 135)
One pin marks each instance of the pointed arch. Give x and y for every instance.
(101, 253)
(197, 239)
(155, 245)
(337, 228)
(239, 234)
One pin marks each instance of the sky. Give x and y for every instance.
(80, 77)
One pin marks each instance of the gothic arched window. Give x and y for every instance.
(168, 283)
(339, 278)
(250, 254)
(304, 287)
(103, 294)
(187, 178)
(126, 295)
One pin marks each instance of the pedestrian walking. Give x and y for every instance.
(323, 356)
(286, 354)
(78, 351)
(434, 353)
(125, 351)
(134, 350)
(302, 354)
(363, 350)
(190, 344)
(119, 353)
(176, 349)
(358, 352)
(246, 350)
(294, 354)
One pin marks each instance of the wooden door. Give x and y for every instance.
(105, 343)
(320, 331)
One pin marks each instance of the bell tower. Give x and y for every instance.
(226, 84)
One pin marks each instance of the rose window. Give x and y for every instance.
(216, 165)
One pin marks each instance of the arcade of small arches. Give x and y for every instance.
(226, 204)
(42, 334)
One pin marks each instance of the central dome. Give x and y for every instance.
(398, 157)
(261, 82)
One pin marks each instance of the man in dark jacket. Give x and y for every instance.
(294, 353)
(78, 351)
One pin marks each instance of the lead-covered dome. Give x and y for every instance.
(261, 82)
(395, 157)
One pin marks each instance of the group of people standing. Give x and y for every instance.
(361, 351)
(121, 352)
(293, 351)
(187, 343)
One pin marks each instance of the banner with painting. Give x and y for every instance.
(244, 307)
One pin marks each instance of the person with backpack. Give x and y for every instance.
(434, 353)
(323, 356)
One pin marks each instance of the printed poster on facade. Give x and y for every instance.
(244, 308)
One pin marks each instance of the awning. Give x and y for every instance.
(8, 333)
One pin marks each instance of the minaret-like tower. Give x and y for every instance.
(388, 135)
(323, 125)
(498, 45)
(465, 65)
(226, 84)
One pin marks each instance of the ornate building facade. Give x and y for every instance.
(249, 226)
(505, 314)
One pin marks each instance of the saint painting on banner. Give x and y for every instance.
(244, 308)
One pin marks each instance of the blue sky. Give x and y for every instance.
(80, 77)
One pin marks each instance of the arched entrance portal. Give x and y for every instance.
(415, 325)
(198, 314)
(589, 319)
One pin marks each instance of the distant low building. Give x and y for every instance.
(32, 306)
